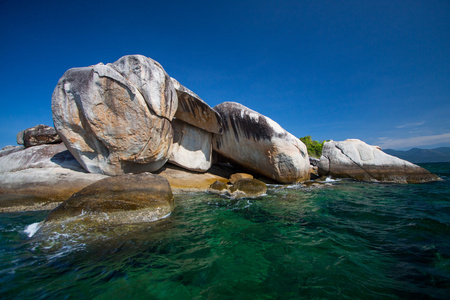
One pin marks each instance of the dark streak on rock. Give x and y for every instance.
(243, 123)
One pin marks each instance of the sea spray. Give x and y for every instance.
(31, 229)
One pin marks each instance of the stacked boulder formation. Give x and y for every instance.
(132, 117)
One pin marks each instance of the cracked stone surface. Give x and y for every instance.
(355, 159)
(115, 118)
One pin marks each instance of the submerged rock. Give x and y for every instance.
(259, 144)
(191, 148)
(106, 122)
(123, 199)
(355, 159)
(195, 111)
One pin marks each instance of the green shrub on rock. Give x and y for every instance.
(314, 147)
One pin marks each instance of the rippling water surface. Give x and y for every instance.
(341, 240)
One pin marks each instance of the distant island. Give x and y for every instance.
(417, 155)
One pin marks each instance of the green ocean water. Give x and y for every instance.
(342, 240)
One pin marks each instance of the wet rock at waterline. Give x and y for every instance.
(106, 122)
(121, 199)
(195, 111)
(248, 188)
(191, 147)
(242, 188)
(355, 159)
(259, 144)
(218, 186)
(238, 176)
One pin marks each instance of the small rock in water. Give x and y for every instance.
(248, 188)
(218, 186)
(238, 176)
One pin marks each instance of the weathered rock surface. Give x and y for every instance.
(38, 135)
(242, 188)
(259, 144)
(193, 110)
(153, 83)
(106, 124)
(130, 198)
(191, 147)
(218, 186)
(182, 180)
(44, 173)
(355, 159)
(248, 188)
(19, 137)
(42, 156)
(238, 176)
(10, 149)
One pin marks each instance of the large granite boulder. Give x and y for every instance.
(257, 143)
(44, 174)
(191, 148)
(38, 135)
(149, 77)
(355, 159)
(130, 198)
(105, 121)
(194, 111)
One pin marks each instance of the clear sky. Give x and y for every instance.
(377, 70)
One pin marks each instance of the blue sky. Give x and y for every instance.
(378, 70)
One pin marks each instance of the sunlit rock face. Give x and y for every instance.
(195, 111)
(191, 148)
(150, 79)
(116, 122)
(355, 159)
(125, 199)
(259, 144)
(44, 172)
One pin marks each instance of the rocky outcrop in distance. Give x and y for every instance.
(355, 159)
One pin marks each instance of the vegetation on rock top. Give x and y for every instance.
(314, 147)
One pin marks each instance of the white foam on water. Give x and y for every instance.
(329, 179)
(31, 229)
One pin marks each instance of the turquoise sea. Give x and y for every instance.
(341, 240)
